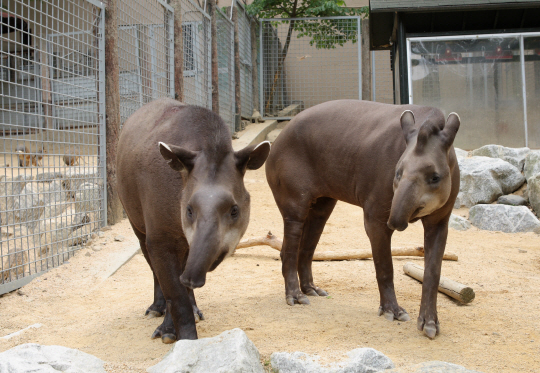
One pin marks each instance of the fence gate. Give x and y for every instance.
(307, 61)
(146, 53)
(52, 133)
(225, 46)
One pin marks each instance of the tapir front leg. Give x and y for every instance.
(380, 237)
(435, 236)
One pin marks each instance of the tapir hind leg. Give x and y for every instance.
(380, 237)
(435, 236)
(313, 227)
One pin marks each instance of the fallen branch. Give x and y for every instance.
(449, 287)
(276, 243)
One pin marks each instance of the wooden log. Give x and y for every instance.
(452, 288)
(276, 243)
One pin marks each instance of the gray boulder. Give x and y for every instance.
(433, 367)
(229, 352)
(74, 177)
(532, 164)
(533, 191)
(512, 200)
(460, 153)
(29, 206)
(514, 156)
(504, 218)
(458, 223)
(35, 358)
(10, 188)
(87, 198)
(361, 360)
(49, 176)
(485, 179)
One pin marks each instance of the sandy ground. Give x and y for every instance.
(498, 332)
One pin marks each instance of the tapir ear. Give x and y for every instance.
(450, 129)
(252, 157)
(407, 125)
(178, 158)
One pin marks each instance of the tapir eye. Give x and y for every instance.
(235, 211)
(434, 179)
(398, 174)
(189, 212)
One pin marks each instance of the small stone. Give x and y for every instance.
(106, 228)
(458, 223)
(104, 243)
(88, 254)
(101, 234)
(522, 251)
(512, 200)
(495, 333)
(93, 236)
(119, 238)
(96, 248)
(20, 292)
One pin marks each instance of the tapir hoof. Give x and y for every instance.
(198, 314)
(150, 314)
(300, 299)
(391, 316)
(314, 291)
(430, 328)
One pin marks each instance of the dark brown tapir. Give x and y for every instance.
(396, 162)
(182, 187)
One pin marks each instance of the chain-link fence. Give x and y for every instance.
(246, 66)
(225, 47)
(197, 51)
(382, 89)
(307, 61)
(52, 171)
(146, 53)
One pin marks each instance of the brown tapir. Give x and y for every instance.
(396, 162)
(182, 187)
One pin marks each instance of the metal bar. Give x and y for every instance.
(19, 283)
(524, 88)
(359, 58)
(261, 70)
(308, 18)
(373, 78)
(103, 122)
(472, 37)
(164, 4)
(409, 72)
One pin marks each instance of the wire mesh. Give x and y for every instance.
(480, 78)
(383, 86)
(146, 53)
(52, 128)
(307, 61)
(197, 60)
(225, 47)
(246, 67)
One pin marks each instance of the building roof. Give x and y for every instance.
(425, 5)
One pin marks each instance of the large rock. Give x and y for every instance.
(229, 352)
(361, 360)
(533, 191)
(29, 206)
(514, 156)
(433, 367)
(74, 177)
(512, 200)
(20, 247)
(49, 176)
(485, 179)
(460, 153)
(504, 218)
(88, 198)
(532, 164)
(459, 223)
(10, 188)
(31, 357)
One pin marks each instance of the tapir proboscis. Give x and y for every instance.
(396, 162)
(182, 187)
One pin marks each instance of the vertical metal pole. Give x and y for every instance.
(524, 88)
(261, 70)
(359, 58)
(373, 81)
(171, 54)
(102, 122)
(409, 72)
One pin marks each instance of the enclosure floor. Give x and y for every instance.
(498, 332)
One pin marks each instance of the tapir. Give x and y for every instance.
(397, 162)
(181, 185)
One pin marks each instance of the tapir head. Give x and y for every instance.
(215, 204)
(422, 182)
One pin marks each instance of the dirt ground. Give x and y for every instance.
(498, 332)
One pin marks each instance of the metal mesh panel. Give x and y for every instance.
(308, 61)
(225, 46)
(52, 128)
(246, 78)
(383, 86)
(146, 53)
(197, 61)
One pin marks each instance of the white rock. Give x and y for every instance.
(504, 218)
(74, 177)
(88, 198)
(514, 156)
(459, 223)
(460, 153)
(533, 192)
(532, 164)
(31, 357)
(361, 360)
(229, 352)
(485, 179)
(433, 367)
